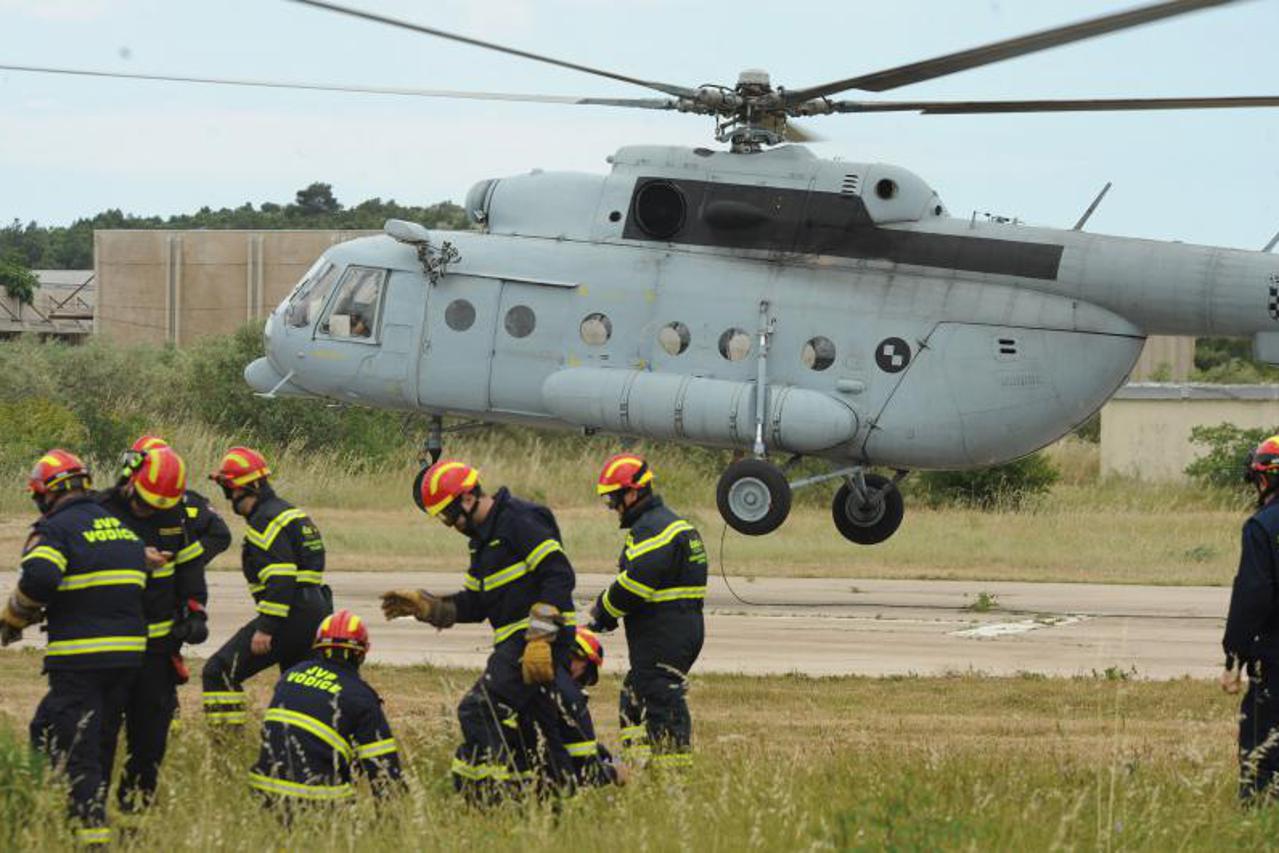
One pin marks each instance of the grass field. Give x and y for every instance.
(790, 763)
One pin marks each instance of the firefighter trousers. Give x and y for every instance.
(226, 671)
(68, 728)
(518, 736)
(147, 714)
(1259, 737)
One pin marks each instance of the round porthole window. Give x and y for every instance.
(520, 321)
(674, 338)
(459, 315)
(596, 329)
(818, 353)
(735, 344)
(659, 209)
(886, 188)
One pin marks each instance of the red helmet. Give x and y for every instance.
(240, 467)
(437, 486)
(588, 647)
(1263, 460)
(148, 442)
(58, 471)
(343, 630)
(160, 480)
(624, 471)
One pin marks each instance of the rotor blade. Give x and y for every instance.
(951, 63)
(796, 133)
(1052, 106)
(677, 91)
(640, 103)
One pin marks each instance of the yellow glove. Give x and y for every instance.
(18, 613)
(536, 665)
(421, 605)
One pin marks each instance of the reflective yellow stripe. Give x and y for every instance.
(676, 593)
(47, 552)
(309, 577)
(165, 571)
(631, 733)
(378, 747)
(298, 789)
(541, 552)
(310, 724)
(264, 539)
(471, 582)
(159, 629)
(653, 543)
(96, 645)
(93, 835)
(615, 612)
(478, 772)
(226, 718)
(255, 588)
(672, 759)
(278, 570)
(505, 576)
(224, 697)
(189, 553)
(633, 586)
(273, 608)
(192, 512)
(109, 577)
(505, 632)
(582, 749)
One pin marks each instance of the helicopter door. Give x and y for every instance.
(530, 342)
(457, 347)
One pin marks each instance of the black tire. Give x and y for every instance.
(753, 497)
(868, 524)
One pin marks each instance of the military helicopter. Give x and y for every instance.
(762, 299)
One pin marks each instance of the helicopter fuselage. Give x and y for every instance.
(662, 299)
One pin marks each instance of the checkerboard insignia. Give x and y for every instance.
(1274, 296)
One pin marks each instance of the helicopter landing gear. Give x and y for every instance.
(868, 508)
(753, 496)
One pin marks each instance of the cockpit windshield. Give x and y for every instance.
(311, 294)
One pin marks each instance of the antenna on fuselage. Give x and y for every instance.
(1079, 226)
(1273, 241)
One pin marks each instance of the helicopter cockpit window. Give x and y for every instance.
(596, 329)
(660, 209)
(353, 314)
(311, 295)
(818, 353)
(735, 344)
(674, 338)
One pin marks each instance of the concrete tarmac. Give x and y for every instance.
(846, 626)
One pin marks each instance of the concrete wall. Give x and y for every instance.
(1145, 428)
(1165, 359)
(177, 286)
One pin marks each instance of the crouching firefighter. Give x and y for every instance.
(521, 581)
(324, 723)
(659, 591)
(149, 501)
(84, 571)
(283, 562)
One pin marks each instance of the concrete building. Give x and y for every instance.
(1145, 428)
(1165, 359)
(177, 286)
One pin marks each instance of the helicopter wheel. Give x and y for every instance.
(870, 521)
(753, 497)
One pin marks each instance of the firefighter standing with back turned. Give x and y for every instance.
(521, 581)
(150, 497)
(324, 723)
(84, 571)
(283, 562)
(659, 592)
(1251, 641)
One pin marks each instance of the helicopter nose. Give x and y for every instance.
(266, 380)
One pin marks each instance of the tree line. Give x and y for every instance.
(34, 246)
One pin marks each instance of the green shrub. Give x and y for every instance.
(21, 777)
(1003, 487)
(1227, 448)
(18, 281)
(30, 427)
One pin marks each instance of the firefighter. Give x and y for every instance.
(521, 581)
(593, 765)
(325, 721)
(283, 562)
(84, 572)
(659, 590)
(150, 498)
(1251, 640)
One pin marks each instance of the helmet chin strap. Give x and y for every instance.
(1267, 485)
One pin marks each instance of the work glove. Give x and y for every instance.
(18, 613)
(193, 627)
(421, 605)
(537, 665)
(601, 621)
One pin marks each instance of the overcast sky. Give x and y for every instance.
(71, 147)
